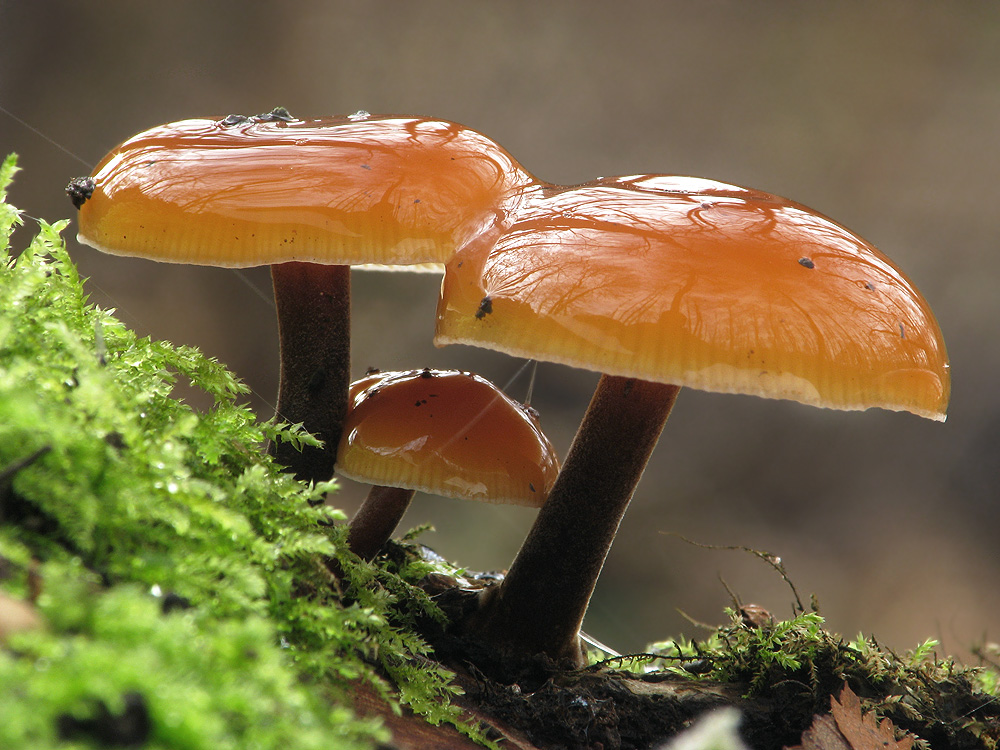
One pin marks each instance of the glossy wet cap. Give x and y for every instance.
(447, 433)
(245, 191)
(702, 284)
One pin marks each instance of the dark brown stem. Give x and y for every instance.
(376, 519)
(541, 603)
(314, 330)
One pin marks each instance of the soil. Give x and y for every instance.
(542, 706)
(600, 709)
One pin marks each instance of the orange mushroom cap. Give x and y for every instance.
(446, 433)
(698, 283)
(245, 191)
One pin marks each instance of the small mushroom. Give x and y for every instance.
(443, 432)
(310, 198)
(660, 282)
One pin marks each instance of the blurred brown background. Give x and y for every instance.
(885, 116)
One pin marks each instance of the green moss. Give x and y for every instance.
(799, 662)
(207, 682)
(116, 497)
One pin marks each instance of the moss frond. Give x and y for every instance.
(166, 553)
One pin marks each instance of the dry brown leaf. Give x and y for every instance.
(822, 735)
(864, 732)
(846, 728)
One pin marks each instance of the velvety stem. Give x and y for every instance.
(376, 519)
(541, 603)
(314, 329)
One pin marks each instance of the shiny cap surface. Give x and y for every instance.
(244, 191)
(446, 433)
(697, 283)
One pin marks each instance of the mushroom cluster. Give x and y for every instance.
(658, 282)
(309, 198)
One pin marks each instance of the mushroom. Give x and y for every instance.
(309, 198)
(660, 282)
(444, 432)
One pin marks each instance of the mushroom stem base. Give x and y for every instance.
(541, 603)
(314, 327)
(376, 519)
